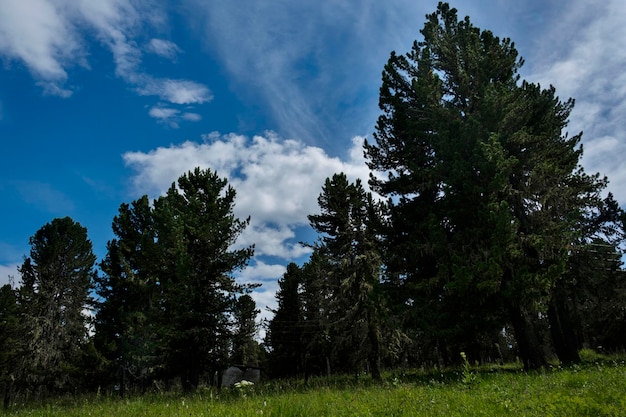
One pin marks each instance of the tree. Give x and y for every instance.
(317, 334)
(487, 190)
(349, 241)
(9, 342)
(57, 280)
(127, 331)
(168, 291)
(245, 348)
(285, 330)
(586, 307)
(196, 229)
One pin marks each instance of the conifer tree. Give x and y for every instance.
(285, 333)
(487, 188)
(349, 242)
(57, 280)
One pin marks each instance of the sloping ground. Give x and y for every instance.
(595, 389)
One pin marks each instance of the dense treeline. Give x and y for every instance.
(490, 238)
(484, 236)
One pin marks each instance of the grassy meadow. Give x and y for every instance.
(595, 388)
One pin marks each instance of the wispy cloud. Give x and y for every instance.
(277, 181)
(40, 35)
(306, 59)
(171, 116)
(583, 56)
(49, 36)
(164, 48)
(175, 91)
(44, 197)
(9, 274)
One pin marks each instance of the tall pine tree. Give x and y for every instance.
(57, 280)
(487, 189)
(348, 239)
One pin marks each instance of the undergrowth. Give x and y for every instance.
(597, 387)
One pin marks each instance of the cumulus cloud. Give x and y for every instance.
(39, 34)
(277, 181)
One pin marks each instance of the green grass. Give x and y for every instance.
(596, 388)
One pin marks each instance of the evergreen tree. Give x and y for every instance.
(285, 330)
(486, 188)
(245, 348)
(9, 342)
(168, 293)
(587, 304)
(196, 229)
(127, 331)
(316, 329)
(57, 280)
(348, 240)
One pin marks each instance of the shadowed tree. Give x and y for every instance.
(168, 292)
(285, 331)
(56, 282)
(127, 331)
(9, 342)
(245, 348)
(348, 240)
(196, 229)
(487, 190)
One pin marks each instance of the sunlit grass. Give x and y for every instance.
(597, 388)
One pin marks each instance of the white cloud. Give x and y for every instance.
(164, 48)
(163, 113)
(175, 91)
(171, 116)
(310, 62)
(9, 272)
(583, 56)
(50, 36)
(39, 34)
(277, 181)
(192, 117)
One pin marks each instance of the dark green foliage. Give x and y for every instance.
(196, 228)
(168, 291)
(9, 342)
(285, 332)
(347, 225)
(245, 348)
(487, 192)
(127, 331)
(55, 291)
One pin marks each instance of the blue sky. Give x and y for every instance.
(104, 101)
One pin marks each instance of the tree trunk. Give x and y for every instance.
(8, 390)
(563, 331)
(530, 350)
(374, 356)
